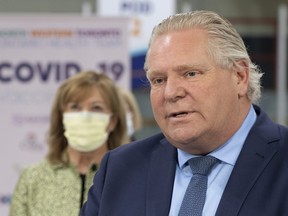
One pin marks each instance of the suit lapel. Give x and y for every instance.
(257, 152)
(161, 179)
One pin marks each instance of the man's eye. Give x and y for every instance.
(191, 73)
(157, 81)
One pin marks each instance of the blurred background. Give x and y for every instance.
(256, 20)
(261, 23)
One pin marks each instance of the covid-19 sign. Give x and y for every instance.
(37, 54)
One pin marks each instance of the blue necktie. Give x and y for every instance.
(195, 195)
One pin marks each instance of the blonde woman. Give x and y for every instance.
(87, 120)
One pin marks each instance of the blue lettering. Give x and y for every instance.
(22, 69)
(27, 71)
(136, 7)
(58, 72)
(2, 66)
(44, 73)
(5, 199)
(71, 67)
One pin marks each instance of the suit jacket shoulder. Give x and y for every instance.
(258, 184)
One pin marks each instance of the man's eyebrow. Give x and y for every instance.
(178, 68)
(187, 66)
(153, 73)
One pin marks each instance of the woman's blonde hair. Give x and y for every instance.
(78, 88)
(133, 107)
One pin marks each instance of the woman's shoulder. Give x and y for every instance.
(36, 170)
(37, 166)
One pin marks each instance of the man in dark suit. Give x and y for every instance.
(204, 91)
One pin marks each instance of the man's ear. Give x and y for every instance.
(242, 72)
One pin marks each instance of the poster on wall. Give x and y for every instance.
(37, 54)
(144, 15)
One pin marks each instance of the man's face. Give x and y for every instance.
(196, 103)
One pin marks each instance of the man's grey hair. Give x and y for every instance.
(225, 45)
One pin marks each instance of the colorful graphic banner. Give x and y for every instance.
(37, 54)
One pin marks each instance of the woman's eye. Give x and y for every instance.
(74, 107)
(97, 108)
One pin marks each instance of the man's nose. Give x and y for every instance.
(174, 89)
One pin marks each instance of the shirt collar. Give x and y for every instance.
(230, 150)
